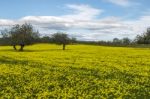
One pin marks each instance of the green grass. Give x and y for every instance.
(81, 71)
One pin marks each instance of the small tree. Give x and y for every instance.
(73, 40)
(5, 39)
(61, 39)
(117, 41)
(21, 35)
(126, 41)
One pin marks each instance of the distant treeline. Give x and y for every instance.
(116, 42)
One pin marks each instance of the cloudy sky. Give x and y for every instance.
(83, 19)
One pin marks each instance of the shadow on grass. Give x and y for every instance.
(26, 50)
(45, 50)
(7, 50)
(11, 61)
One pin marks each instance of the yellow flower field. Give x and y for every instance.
(80, 72)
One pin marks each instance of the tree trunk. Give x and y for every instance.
(21, 47)
(64, 46)
(14, 46)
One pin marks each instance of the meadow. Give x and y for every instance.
(79, 72)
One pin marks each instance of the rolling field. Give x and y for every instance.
(80, 72)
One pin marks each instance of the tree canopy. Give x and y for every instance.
(20, 35)
(144, 38)
(61, 39)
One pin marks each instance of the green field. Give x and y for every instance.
(81, 71)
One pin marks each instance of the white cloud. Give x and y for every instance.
(62, 23)
(84, 12)
(80, 16)
(124, 3)
(6, 22)
(140, 25)
(51, 22)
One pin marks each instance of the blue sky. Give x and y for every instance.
(84, 19)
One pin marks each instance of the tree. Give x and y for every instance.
(21, 35)
(144, 38)
(126, 41)
(4, 40)
(73, 40)
(61, 39)
(45, 39)
(117, 41)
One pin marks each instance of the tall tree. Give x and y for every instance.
(61, 39)
(21, 35)
(144, 38)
